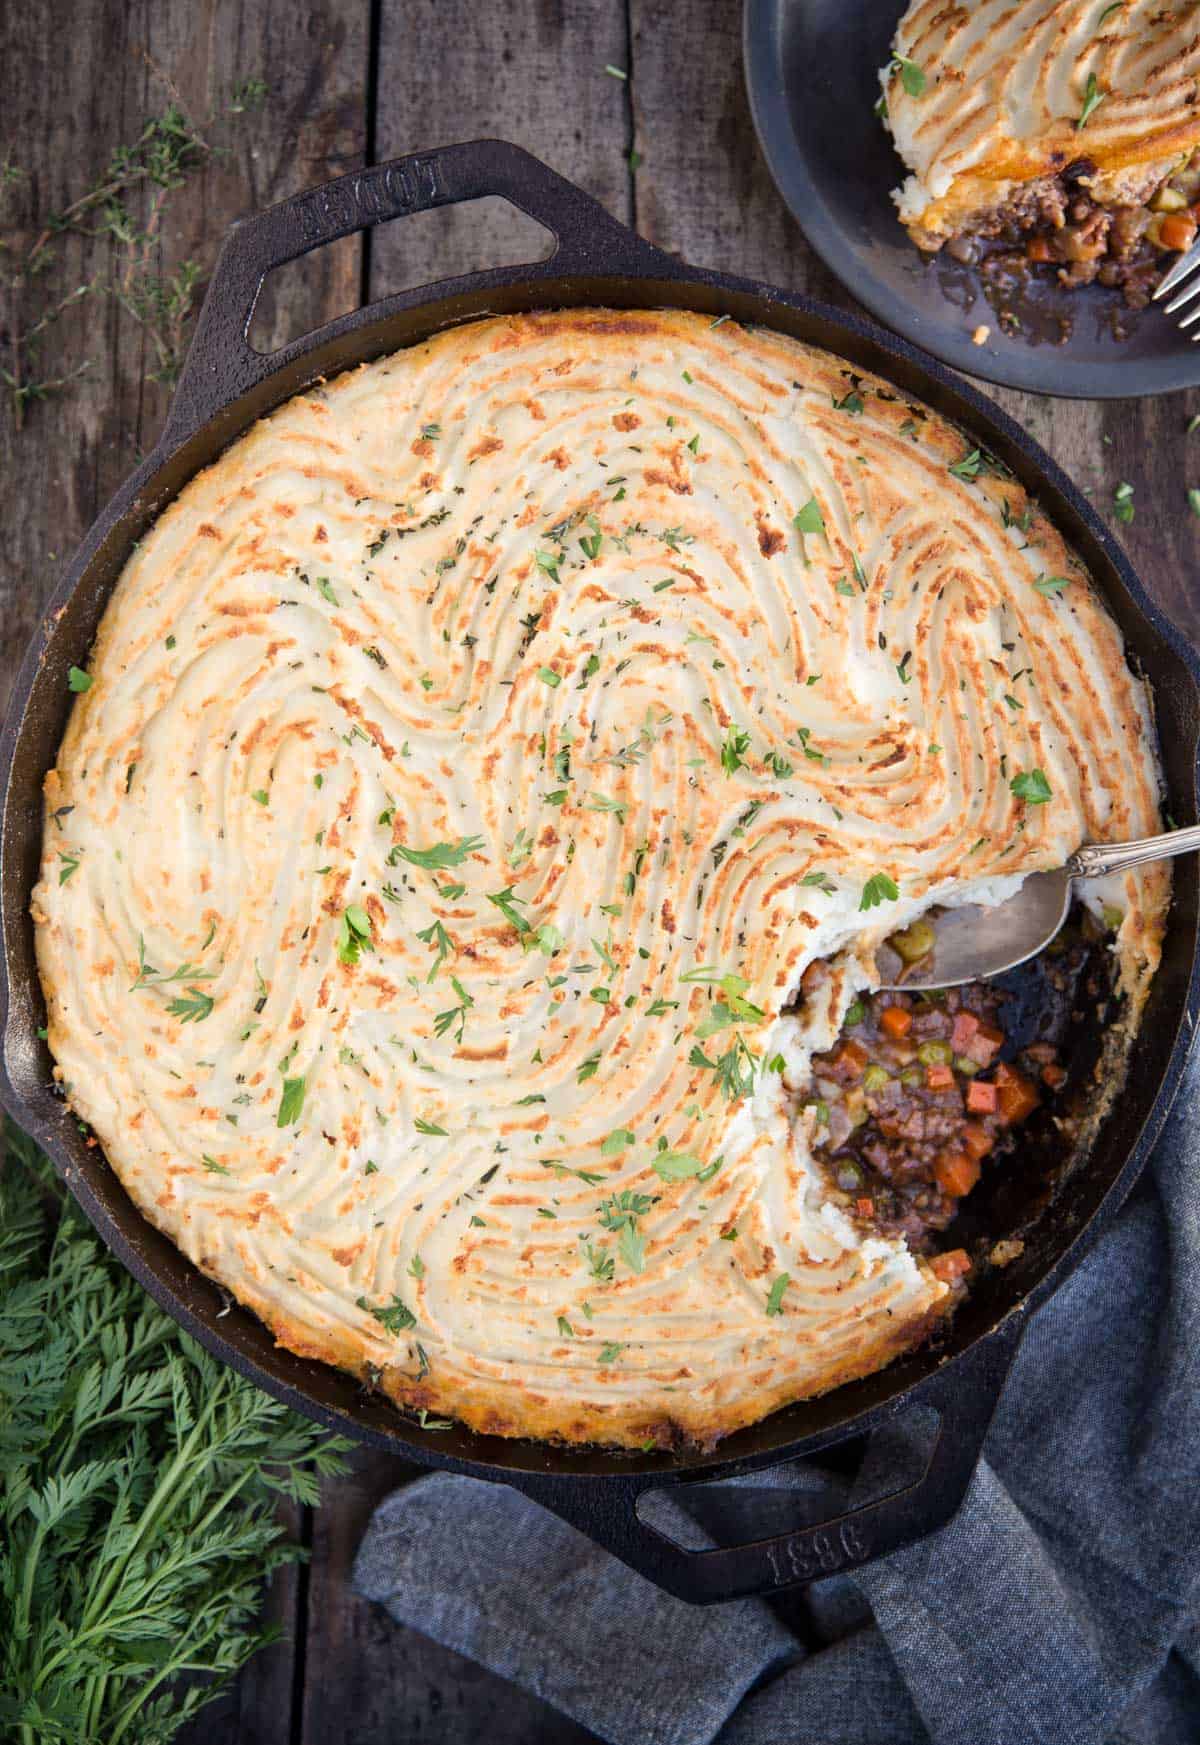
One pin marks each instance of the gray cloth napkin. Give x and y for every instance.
(1061, 1607)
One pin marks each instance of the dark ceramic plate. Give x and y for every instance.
(812, 77)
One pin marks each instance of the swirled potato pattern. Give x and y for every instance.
(468, 767)
(1008, 93)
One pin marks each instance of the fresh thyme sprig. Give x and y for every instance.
(127, 203)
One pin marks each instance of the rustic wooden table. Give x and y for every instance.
(670, 149)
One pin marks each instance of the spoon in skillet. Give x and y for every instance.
(972, 943)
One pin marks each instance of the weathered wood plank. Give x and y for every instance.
(532, 73)
(73, 94)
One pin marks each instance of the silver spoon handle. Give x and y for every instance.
(1106, 857)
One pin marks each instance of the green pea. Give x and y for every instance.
(935, 1054)
(875, 1077)
(915, 942)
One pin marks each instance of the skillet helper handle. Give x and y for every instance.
(964, 1394)
(222, 365)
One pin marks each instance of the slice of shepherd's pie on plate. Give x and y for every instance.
(1060, 133)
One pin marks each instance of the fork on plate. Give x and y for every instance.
(1184, 278)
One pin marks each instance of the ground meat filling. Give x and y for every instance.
(1057, 225)
(910, 1101)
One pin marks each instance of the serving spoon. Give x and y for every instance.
(973, 942)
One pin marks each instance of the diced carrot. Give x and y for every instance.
(895, 1021)
(956, 1173)
(951, 1266)
(939, 1077)
(1054, 1076)
(976, 1140)
(865, 1207)
(1017, 1095)
(1038, 249)
(1177, 230)
(982, 1097)
(965, 1026)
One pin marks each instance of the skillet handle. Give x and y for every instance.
(221, 364)
(964, 1394)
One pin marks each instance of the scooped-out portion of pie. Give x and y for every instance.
(1060, 134)
(465, 857)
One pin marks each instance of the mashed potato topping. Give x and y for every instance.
(468, 767)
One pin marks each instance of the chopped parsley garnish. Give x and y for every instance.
(187, 972)
(734, 1070)
(809, 519)
(431, 432)
(677, 1166)
(326, 591)
(354, 934)
(423, 1126)
(616, 1142)
(610, 1352)
(546, 563)
(1092, 99)
(1123, 502)
(734, 748)
(440, 943)
(879, 888)
(262, 796)
(775, 1296)
(602, 803)
(212, 1166)
(620, 1212)
(397, 1317)
(442, 854)
(549, 677)
(912, 77)
(820, 881)
(967, 466)
(600, 1263)
(505, 901)
(548, 939)
(456, 1016)
(291, 1101)
(191, 1006)
(1031, 786)
(78, 680)
(1051, 585)
(1193, 497)
(565, 1327)
(591, 543)
(70, 864)
(851, 402)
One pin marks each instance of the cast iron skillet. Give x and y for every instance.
(225, 387)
